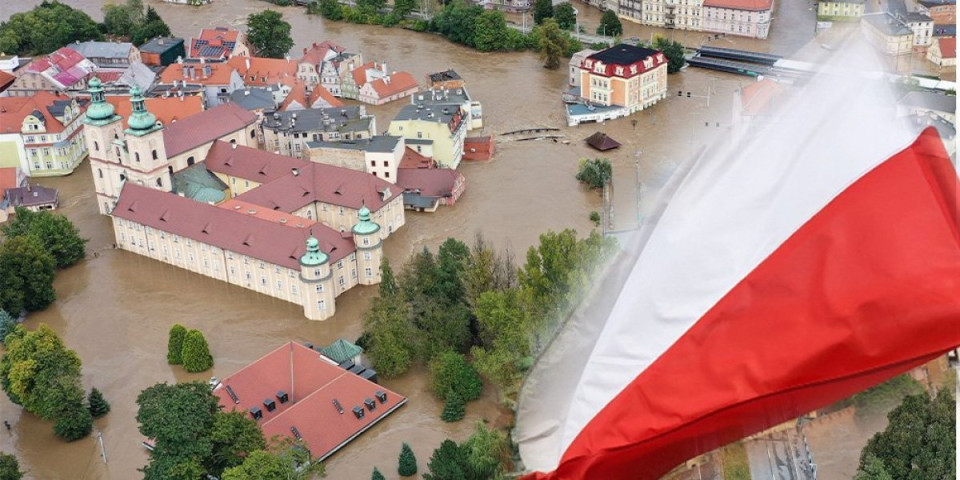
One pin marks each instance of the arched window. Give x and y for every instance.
(154, 153)
(100, 172)
(253, 134)
(233, 141)
(160, 182)
(96, 147)
(116, 136)
(170, 169)
(190, 161)
(136, 156)
(118, 155)
(123, 178)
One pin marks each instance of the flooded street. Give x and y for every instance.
(115, 309)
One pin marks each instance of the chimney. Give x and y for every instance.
(207, 71)
(248, 62)
(233, 146)
(295, 172)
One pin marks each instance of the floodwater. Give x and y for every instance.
(115, 308)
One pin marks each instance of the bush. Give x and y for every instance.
(9, 467)
(595, 218)
(175, 344)
(454, 409)
(97, 404)
(407, 462)
(196, 353)
(377, 475)
(595, 172)
(452, 373)
(73, 423)
(7, 324)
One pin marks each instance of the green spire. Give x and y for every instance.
(313, 257)
(366, 226)
(141, 121)
(99, 112)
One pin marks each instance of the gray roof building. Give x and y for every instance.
(347, 119)
(378, 143)
(33, 197)
(888, 24)
(163, 50)
(105, 54)
(253, 98)
(428, 113)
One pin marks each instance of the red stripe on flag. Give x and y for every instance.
(866, 289)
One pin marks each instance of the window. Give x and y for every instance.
(353, 273)
(387, 174)
(96, 147)
(366, 241)
(154, 154)
(386, 164)
(373, 163)
(340, 264)
(341, 281)
(136, 156)
(369, 272)
(253, 134)
(262, 266)
(190, 161)
(160, 182)
(319, 288)
(322, 305)
(367, 256)
(233, 270)
(100, 173)
(316, 272)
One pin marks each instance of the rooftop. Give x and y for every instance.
(602, 142)
(758, 97)
(118, 50)
(205, 127)
(239, 232)
(214, 43)
(623, 54)
(196, 183)
(318, 53)
(752, 5)
(916, 17)
(210, 73)
(377, 143)
(948, 47)
(160, 44)
(43, 103)
(341, 350)
(397, 82)
(945, 30)
(887, 24)
(260, 71)
(167, 109)
(444, 76)
(250, 163)
(428, 182)
(282, 218)
(32, 196)
(321, 398)
(448, 96)
(253, 98)
(441, 113)
(10, 177)
(347, 119)
(936, 3)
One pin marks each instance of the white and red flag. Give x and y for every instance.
(775, 282)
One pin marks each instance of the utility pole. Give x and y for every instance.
(103, 452)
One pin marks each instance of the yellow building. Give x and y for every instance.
(624, 76)
(840, 10)
(442, 127)
(42, 134)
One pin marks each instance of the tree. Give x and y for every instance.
(454, 408)
(55, 232)
(117, 20)
(9, 467)
(179, 418)
(542, 10)
(674, 52)
(175, 344)
(919, 442)
(329, 9)
(73, 422)
(152, 26)
(552, 43)
(565, 15)
(98, 405)
(287, 459)
(45, 28)
(377, 475)
(26, 275)
(448, 462)
(487, 452)
(269, 34)
(491, 32)
(7, 324)
(389, 329)
(233, 436)
(610, 25)
(402, 8)
(451, 372)
(595, 172)
(407, 461)
(873, 469)
(196, 353)
(388, 283)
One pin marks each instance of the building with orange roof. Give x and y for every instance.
(757, 102)
(166, 109)
(260, 71)
(299, 393)
(388, 88)
(219, 80)
(943, 52)
(42, 134)
(298, 99)
(219, 43)
(327, 64)
(745, 18)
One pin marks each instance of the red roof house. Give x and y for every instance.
(296, 392)
(388, 88)
(218, 43)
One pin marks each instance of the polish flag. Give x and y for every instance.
(770, 287)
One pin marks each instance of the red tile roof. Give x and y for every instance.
(214, 43)
(321, 93)
(948, 47)
(166, 109)
(220, 73)
(241, 233)
(107, 77)
(326, 184)
(297, 95)
(757, 98)
(196, 130)
(264, 71)
(250, 163)
(286, 219)
(413, 159)
(431, 182)
(740, 4)
(318, 52)
(399, 82)
(312, 383)
(14, 109)
(360, 73)
(5, 80)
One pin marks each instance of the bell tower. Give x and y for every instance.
(369, 248)
(144, 144)
(318, 299)
(102, 131)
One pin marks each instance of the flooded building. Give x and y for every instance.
(327, 64)
(63, 71)
(887, 33)
(287, 132)
(162, 51)
(218, 80)
(841, 10)
(746, 18)
(108, 55)
(442, 127)
(219, 43)
(943, 52)
(42, 134)
(617, 82)
(379, 155)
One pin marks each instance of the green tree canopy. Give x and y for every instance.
(595, 172)
(234, 435)
(407, 462)
(402, 8)
(58, 235)
(542, 10)
(674, 52)
(448, 462)
(269, 34)
(7, 324)
(454, 408)
(610, 24)
(175, 344)
(491, 32)
(73, 422)
(179, 418)
(9, 467)
(552, 43)
(45, 28)
(98, 405)
(487, 452)
(26, 275)
(565, 15)
(918, 443)
(196, 353)
(451, 372)
(872, 469)
(285, 459)
(376, 475)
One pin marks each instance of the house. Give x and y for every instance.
(449, 97)
(600, 141)
(162, 51)
(840, 10)
(297, 393)
(167, 110)
(575, 61)
(747, 18)
(119, 82)
(11, 63)
(943, 52)
(379, 155)
(442, 127)
(922, 27)
(42, 134)
(179, 88)
(342, 351)
(219, 43)
(299, 99)
(388, 88)
(448, 79)
(619, 81)
(256, 100)
(425, 189)
(328, 64)
(288, 132)
(219, 80)
(108, 55)
(942, 11)
(261, 72)
(10, 177)
(32, 197)
(64, 71)
(887, 33)
(505, 5)
(6, 79)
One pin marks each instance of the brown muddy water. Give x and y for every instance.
(115, 308)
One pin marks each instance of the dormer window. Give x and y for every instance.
(620, 71)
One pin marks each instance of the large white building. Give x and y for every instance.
(746, 18)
